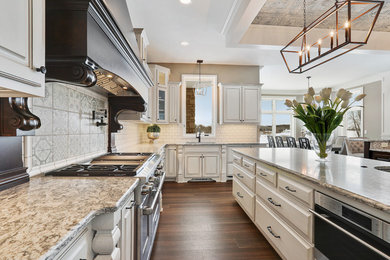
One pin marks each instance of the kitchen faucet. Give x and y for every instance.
(198, 135)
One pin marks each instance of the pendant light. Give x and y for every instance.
(199, 88)
(332, 35)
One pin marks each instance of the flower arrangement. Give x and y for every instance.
(321, 115)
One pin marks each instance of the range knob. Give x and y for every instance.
(145, 190)
(158, 173)
(153, 179)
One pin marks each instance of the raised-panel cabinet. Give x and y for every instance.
(210, 165)
(127, 228)
(174, 102)
(232, 104)
(241, 104)
(171, 162)
(193, 166)
(22, 48)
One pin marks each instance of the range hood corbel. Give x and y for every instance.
(16, 118)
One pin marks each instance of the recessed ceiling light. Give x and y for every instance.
(185, 2)
(184, 43)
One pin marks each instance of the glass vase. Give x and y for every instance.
(322, 144)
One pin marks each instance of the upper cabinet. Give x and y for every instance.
(22, 48)
(143, 43)
(159, 96)
(240, 104)
(174, 90)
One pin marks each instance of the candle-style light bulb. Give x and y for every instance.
(308, 52)
(331, 39)
(346, 25)
(319, 46)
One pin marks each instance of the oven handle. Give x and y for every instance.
(350, 234)
(149, 210)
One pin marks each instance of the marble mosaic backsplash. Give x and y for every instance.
(68, 133)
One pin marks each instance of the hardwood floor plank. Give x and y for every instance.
(202, 221)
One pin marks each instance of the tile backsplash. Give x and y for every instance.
(134, 133)
(68, 134)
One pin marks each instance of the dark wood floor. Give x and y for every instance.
(202, 221)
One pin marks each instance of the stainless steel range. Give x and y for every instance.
(145, 166)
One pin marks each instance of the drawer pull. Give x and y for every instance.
(289, 189)
(239, 195)
(247, 165)
(262, 174)
(132, 204)
(274, 203)
(239, 175)
(271, 232)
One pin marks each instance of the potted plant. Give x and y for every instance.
(321, 115)
(153, 132)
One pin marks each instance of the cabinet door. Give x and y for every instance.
(210, 165)
(127, 231)
(80, 247)
(22, 46)
(174, 103)
(193, 166)
(171, 162)
(251, 104)
(232, 104)
(162, 99)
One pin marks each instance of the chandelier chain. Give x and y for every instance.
(304, 14)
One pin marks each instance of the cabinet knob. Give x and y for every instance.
(41, 69)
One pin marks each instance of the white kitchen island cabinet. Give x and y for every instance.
(240, 104)
(22, 48)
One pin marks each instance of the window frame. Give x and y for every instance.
(343, 127)
(194, 77)
(275, 112)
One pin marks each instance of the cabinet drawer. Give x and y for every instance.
(296, 189)
(245, 178)
(249, 165)
(289, 244)
(266, 174)
(237, 159)
(245, 197)
(299, 217)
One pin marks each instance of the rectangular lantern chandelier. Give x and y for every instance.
(346, 26)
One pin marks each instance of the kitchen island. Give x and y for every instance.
(40, 218)
(280, 188)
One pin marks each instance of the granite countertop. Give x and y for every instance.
(40, 217)
(343, 174)
(387, 150)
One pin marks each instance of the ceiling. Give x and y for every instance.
(219, 32)
(290, 13)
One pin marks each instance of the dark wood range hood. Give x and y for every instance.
(92, 42)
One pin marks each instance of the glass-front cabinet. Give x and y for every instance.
(162, 104)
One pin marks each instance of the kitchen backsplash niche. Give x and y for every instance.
(68, 134)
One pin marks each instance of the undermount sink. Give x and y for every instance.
(383, 168)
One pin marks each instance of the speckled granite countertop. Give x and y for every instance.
(343, 174)
(40, 217)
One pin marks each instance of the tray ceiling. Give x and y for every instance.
(290, 13)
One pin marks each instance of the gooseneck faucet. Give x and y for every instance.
(198, 135)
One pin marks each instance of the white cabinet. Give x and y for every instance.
(241, 104)
(127, 228)
(22, 48)
(79, 248)
(143, 42)
(170, 162)
(162, 105)
(210, 165)
(174, 102)
(202, 165)
(159, 97)
(193, 165)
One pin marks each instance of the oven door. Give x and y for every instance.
(149, 215)
(339, 239)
